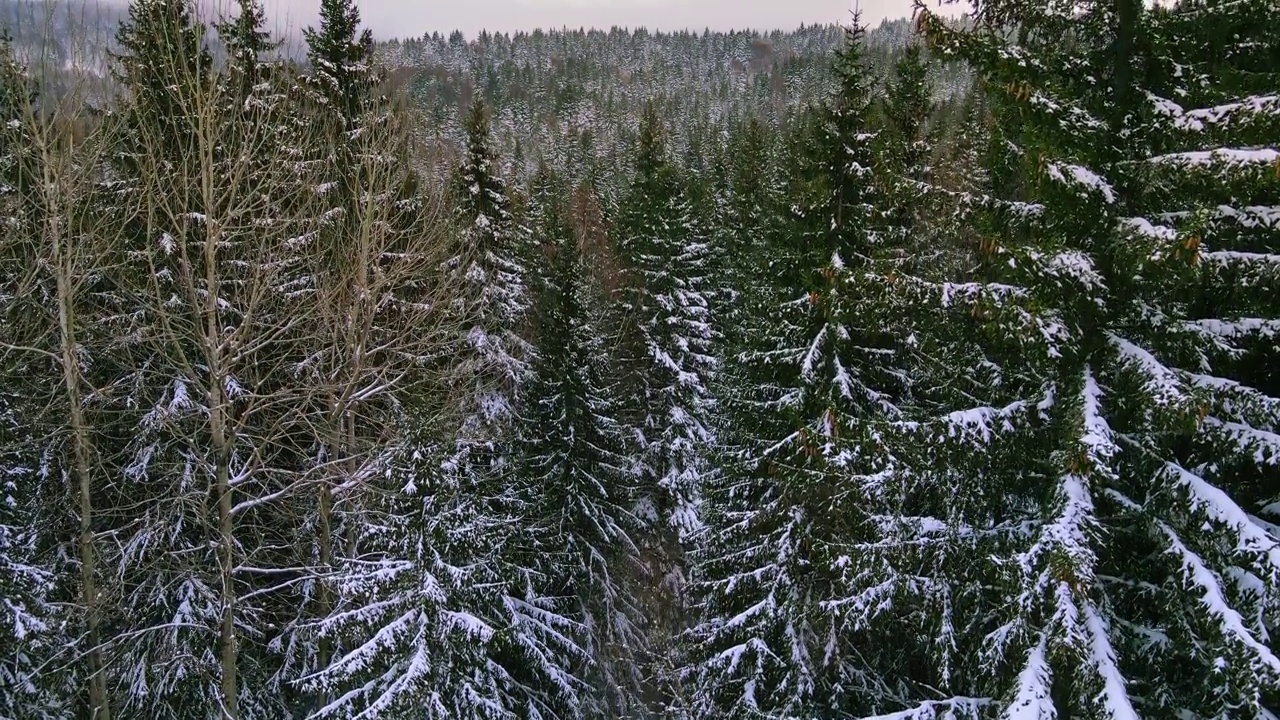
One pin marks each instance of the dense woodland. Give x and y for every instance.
(920, 373)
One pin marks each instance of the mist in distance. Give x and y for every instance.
(414, 18)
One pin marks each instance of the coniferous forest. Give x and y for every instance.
(923, 372)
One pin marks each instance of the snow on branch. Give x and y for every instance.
(981, 423)
(1230, 257)
(1081, 176)
(1238, 399)
(1262, 445)
(1220, 156)
(1199, 119)
(1067, 536)
(1146, 228)
(951, 292)
(1214, 601)
(1206, 498)
(1239, 327)
(1115, 694)
(1097, 438)
(1033, 701)
(1248, 217)
(1164, 385)
(954, 708)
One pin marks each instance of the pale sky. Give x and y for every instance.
(414, 18)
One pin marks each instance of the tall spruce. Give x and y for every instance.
(493, 358)
(671, 344)
(797, 564)
(1144, 581)
(341, 84)
(576, 482)
(667, 347)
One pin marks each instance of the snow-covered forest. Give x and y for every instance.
(918, 372)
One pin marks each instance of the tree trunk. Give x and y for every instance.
(99, 702)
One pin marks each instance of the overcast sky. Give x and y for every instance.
(413, 18)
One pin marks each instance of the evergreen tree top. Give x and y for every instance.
(339, 40)
(341, 57)
(244, 35)
(158, 39)
(651, 151)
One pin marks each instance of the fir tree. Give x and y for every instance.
(247, 43)
(911, 204)
(430, 614)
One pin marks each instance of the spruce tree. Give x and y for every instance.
(576, 483)
(171, 600)
(164, 62)
(340, 54)
(247, 43)
(667, 346)
(912, 205)
(1145, 582)
(671, 344)
(493, 358)
(431, 614)
(797, 565)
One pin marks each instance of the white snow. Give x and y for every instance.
(1230, 329)
(1145, 227)
(1097, 437)
(1214, 602)
(1075, 174)
(955, 707)
(1227, 156)
(1115, 694)
(1165, 386)
(1199, 119)
(1032, 700)
(983, 422)
(1252, 540)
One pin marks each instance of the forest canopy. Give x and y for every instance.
(918, 372)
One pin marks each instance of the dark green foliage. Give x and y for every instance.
(810, 375)
(340, 53)
(576, 483)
